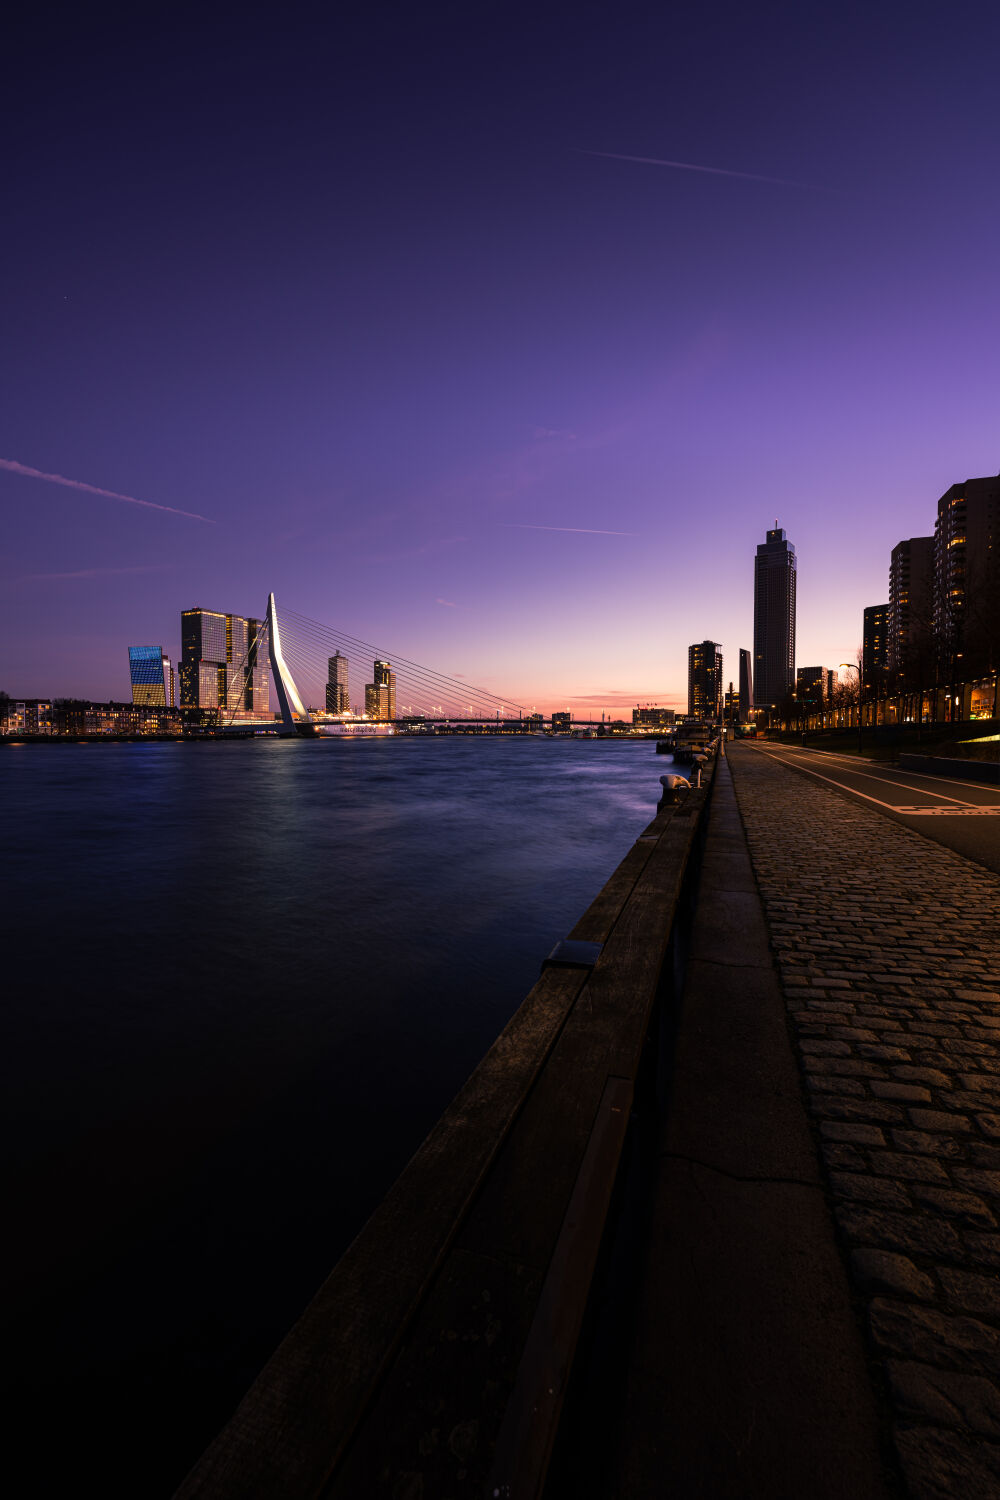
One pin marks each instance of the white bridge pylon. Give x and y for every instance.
(284, 682)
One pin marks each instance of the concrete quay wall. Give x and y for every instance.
(436, 1358)
(888, 950)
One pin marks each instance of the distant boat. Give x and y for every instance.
(355, 730)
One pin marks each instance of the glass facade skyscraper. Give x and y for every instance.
(773, 620)
(705, 681)
(746, 686)
(151, 675)
(338, 698)
(380, 695)
(224, 662)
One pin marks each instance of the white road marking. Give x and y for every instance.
(954, 812)
(888, 770)
(905, 786)
(797, 765)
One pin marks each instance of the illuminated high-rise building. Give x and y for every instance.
(386, 677)
(875, 645)
(705, 681)
(911, 608)
(151, 675)
(338, 698)
(773, 620)
(812, 686)
(967, 578)
(224, 662)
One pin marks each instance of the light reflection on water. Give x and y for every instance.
(244, 981)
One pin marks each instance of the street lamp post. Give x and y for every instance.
(853, 666)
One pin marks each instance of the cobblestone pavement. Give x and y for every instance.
(888, 948)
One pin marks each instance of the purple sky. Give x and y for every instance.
(392, 303)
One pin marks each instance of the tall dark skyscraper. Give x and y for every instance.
(967, 578)
(875, 647)
(911, 606)
(746, 686)
(773, 619)
(224, 662)
(338, 698)
(705, 680)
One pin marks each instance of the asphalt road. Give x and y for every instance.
(962, 815)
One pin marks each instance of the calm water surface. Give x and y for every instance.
(243, 982)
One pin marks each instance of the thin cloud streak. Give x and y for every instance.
(618, 699)
(581, 530)
(90, 573)
(448, 603)
(690, 166)
(13, 467)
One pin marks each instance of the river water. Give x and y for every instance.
(242, 982)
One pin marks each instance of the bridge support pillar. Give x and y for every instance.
(284, 682)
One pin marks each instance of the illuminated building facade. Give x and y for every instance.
(814, 686)
(705, 681)
(773, 620)
(562, 721)
(967, 578)
(380, 695)
(875, 645)
(27, 716)
(338, 698)
(653, 718)
(386, 677)
(224, 662)
(911, 605)
(151, 675)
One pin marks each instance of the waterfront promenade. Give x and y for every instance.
(796, 1293)
(888, 950)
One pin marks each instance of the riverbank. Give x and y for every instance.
(233, 977)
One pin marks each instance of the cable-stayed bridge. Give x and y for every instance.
(323, 675)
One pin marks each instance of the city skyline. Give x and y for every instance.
(895, 635)
(478, 380)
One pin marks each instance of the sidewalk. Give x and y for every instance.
(748, 1377)
(888, 948)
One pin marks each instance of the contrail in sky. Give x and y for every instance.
(586, 530)
(690, 166)
(93, 489)
(88, 573)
